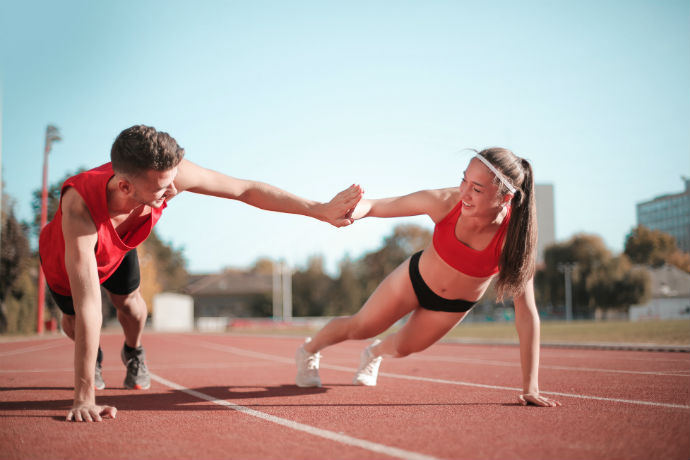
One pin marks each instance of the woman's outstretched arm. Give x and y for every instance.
(435, 203)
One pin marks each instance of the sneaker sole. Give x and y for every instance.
(360, 383)
(138, 387)
(309, 385)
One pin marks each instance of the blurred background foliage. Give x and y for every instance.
(600, 279)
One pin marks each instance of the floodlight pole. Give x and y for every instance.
(1, 184)
(282, 291)
(277, 290)
(287, 292)
(52, 135)
(567, 270)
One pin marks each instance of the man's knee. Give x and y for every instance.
(132, 304)
(68, 325)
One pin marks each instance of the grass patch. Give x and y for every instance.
(670, 332)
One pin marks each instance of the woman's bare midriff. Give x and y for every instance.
(446, 281)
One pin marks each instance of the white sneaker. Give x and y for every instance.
(307, 367)
(368, 367)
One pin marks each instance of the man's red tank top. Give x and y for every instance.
(462, 257)
(110, 248)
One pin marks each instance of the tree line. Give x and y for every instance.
(600, 278)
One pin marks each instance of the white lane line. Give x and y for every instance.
(254, 354)
(569, 395)
(36, 371)
(154, 366)
(326, 434)
(546, 366)
(43, 346)
(677, 357)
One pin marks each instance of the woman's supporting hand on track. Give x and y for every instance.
(537, 400)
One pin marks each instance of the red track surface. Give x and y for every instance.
(230, 396)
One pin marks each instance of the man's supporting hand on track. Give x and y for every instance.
(91, 413)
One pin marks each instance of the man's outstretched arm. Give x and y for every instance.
(337, 211)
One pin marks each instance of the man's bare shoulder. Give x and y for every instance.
(76, 218)
(73, 205)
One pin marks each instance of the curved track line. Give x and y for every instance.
(43, 346)
(330, 435)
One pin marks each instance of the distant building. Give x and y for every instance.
(670, 295)
(230, 294)
(670, 214)
(546, 222)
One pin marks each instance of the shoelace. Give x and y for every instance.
(373, 361)
(134, 364)
(313, 361)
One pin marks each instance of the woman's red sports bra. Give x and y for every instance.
(463, 258)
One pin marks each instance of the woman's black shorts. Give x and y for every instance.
(124, 280)
(427, 298)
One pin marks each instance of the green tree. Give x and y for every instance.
(649, 247)
(19, 308)
(598, 278)
(263, 266)
(347, 291)
(315, 293)
(52, 201)
(405, 241)
(17, 285)
(311, 288)
(616, 284)
(680, 259)
(171, 266)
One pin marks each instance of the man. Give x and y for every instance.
(104, 214)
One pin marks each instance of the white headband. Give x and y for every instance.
(500, 176)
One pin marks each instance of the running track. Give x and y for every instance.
(232, 396)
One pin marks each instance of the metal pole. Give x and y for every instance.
(568, 293)
(52, 135)
(1, 184)
(567, 270)
(276, 290)
(287, 292)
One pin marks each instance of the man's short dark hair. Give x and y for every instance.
(142, 148)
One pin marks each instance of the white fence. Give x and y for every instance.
(661, 309)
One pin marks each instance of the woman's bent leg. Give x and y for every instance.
(423, 329)
(391, 300)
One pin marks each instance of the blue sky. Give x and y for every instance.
(312, 96)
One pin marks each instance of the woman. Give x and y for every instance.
(485, 228)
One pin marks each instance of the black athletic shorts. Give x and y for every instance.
(124, 280)
(427, 298)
